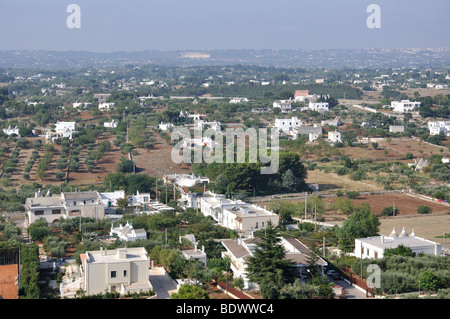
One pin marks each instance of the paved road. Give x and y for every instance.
(162, 284)
(350, 291)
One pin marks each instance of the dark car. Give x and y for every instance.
(336, 276)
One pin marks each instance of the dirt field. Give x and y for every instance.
(159, 158)
(411, 145)
(331, 181)
(108, 164)
(406, 204)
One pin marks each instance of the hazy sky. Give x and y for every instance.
(134, 25)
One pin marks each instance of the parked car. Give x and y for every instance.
(336, 276)
(331, 272)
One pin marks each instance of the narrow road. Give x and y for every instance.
(162, 284)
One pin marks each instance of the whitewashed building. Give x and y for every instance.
(11, 130)
(438, 127)
(287, 125)
(404, 106)
(318, 106)
(335, 137)
(106, 106)
(127, 232)
(375, 247)
(112, 124)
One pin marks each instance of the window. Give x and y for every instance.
(124, 273)
(256, 225)
(39, 212)
(56, 211)
(113, 274)
(262, 224)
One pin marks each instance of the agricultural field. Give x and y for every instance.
(159, 159)
(407, 204)
(412, 145)
(333, 182)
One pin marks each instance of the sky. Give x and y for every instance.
(137, 25)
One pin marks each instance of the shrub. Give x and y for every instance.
(424, 209)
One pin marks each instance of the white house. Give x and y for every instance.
(335, 137)
(238, 100)
(123, 270)
(396, 128)
(127, 232)
(284, 105)
(195, 254)
(109, 199)
(106, 106)
(287, 125)
(404, 106)
(139, 199)
(437, 127)
(318, 106)
(112, 124)
(375, 247)
(63, 129)
(166, 127)
(11, 130)
(334, 122)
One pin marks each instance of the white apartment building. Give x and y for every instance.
(318, 106)
(287, 125)
(375, 247)
(67, 205)
(236, 215)
(123, 270)
(404, 106)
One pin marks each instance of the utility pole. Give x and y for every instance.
(323, 248)
(315, 216)
(156, 182)
(305, 205)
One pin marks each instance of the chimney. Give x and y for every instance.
(203, 249)
(195, 247)
(122, 253)
(101, 250)
(382, 239)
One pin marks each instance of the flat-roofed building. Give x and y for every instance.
(123, 270)
(66, 205)
(236, 214)
(375, 247)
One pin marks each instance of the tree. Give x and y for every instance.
(268, 266)
(389, 211)
(188, 291)
(430, 281)
(400, 250)
(290, 182)
(424, 209)
(361, 224)
(122, 202)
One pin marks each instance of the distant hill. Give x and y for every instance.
(330, 59)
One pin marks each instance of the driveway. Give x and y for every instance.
(161, 282)
(350, 291)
